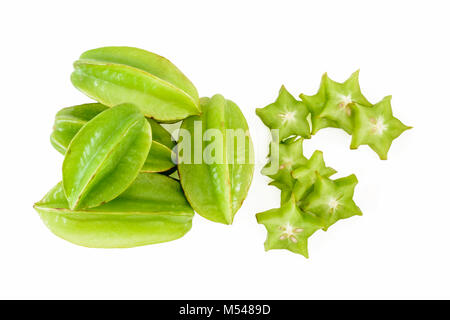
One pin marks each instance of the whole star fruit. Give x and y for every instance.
(105, 156)
(152, 210)
(305, 175)
(116, 75)
(332, 200)
(286, 114)
(288, 228)
(68, 121)
(217, 180)
(376, 127)
(341, 100)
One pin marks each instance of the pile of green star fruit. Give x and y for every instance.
(120, 184)
(310, 199)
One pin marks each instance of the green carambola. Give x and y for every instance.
(288, 227)
(376, 127)
(306, 175)
(288, 155)
(334, 103)
(332, 200)
(68, 121)
(152, 210)
(287, 115)
(216, 174)
(342, 105)
(116, 75)
(105, 156)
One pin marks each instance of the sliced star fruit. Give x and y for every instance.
(376, 127)
(315, 104)
(288, 228)
(286, 191)
(342, 98)
(332, 200)
(286, 114)
(288, 158)
(306, 175)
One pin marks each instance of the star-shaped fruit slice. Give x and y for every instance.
(286, 114)
(288, 228)
(341, 100)
(332, 200)
(306, 175)
(283, 158)
(315, 104)
(376, 127)
(286, 191)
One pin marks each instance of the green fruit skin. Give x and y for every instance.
(152, 210)
(105, 156)
(68, 121)
(159, 159)
(116, 75)
(161, 135)
(217, 191)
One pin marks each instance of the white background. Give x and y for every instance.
(244, 50)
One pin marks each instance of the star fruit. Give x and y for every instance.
(332, 200)
(286, 114)
(306, 174)
(315, 104)
(342, 98)
(376, 127)
(288, 157)
(288, 228)
(286, 191)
